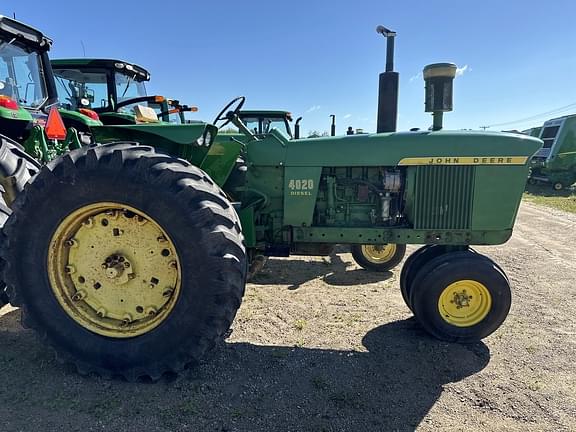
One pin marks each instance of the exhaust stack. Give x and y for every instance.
(297, 128)
(333, 125)
(388, 87)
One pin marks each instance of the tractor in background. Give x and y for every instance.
(111, 92)
(129, 256)
(555, 162)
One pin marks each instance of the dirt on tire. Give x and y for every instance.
(322, 345)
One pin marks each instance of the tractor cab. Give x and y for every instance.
(26, 84)
(115, 91)
(262, 122)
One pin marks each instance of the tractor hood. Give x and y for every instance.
(414, 148)
(191, 141)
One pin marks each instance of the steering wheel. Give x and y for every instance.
(226, 114)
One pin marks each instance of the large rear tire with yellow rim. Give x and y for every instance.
(460, 296)
(378, 258)
(129, 262)
(16, 170)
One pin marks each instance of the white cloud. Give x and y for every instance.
(418, 76)
(313, 108)
(460, 70)
(347, 116)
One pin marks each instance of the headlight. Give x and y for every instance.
(205, 139)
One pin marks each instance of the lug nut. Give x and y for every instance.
(173, 264)
(79, 295)
(167, 292)
(151, 311)
(89, 223)
(71, 243)
(70, 269)
(101, 312)
(126, 320)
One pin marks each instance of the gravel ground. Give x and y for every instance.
(321, 345)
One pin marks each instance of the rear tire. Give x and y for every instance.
(378, 258)
(202, 231)
(461, 297)
(16, 170)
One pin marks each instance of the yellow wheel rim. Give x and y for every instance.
(464, 303)
(114, 270)
(379, 254)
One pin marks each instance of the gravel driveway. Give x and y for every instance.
(321, 345)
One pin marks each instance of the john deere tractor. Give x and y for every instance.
(111, 91)
(130, 256)
(260, 124)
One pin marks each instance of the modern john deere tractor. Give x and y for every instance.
(130, 256)
(112, 91)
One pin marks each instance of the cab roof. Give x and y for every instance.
(118, 65)
(264, 113)
(11, 29)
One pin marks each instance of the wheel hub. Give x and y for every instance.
(464, 303)
(114, 270)
(118, 269)
(379, 254)
(461, 299)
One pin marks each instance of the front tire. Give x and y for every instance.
(127, 261)
(461, 297)
(378, 258)
(413, 264)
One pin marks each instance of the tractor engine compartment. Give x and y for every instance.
(360, 196)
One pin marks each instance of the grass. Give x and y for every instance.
(300, 324)
(544, 195)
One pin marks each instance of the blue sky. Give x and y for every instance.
(317, 58)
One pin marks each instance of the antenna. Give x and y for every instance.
(14, 15)
(83, 47)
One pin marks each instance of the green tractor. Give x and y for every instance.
(260, 123)
(112, 92)
(555, 162)
(130, 256)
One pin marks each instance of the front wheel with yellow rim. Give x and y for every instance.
(127, 261)
(379, 257)
(460, 296)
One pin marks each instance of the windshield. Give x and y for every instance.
(263, 125)
(22, 76)
(82, 89)
(127, 87)
(159, 108)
